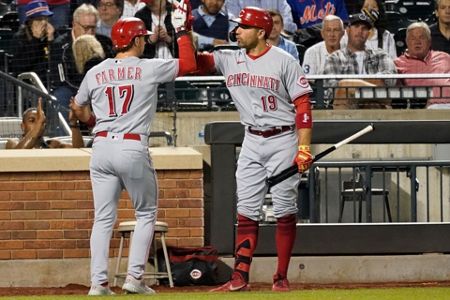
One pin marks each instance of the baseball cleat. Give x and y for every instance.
(236, 284)
(98, 290)
(280, 284)
(135, 286)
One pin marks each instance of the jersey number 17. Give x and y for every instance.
(126, 95)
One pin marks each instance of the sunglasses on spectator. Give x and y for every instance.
(87, 28)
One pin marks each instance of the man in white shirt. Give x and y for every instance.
(315, 56)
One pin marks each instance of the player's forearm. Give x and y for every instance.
(304, 136)
(187, 61)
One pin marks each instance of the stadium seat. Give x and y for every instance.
(355, 190)
(413, 10)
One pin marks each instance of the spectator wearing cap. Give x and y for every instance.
(275, 37)
(440, 31)
(110, 12)
(379, 36)
(65, 79)
(420, 59)
(60, 8)
(356, 58)
(31, 43)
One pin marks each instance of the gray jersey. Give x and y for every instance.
(263, 88)
(117, 86)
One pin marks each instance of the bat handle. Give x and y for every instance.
(291, 171)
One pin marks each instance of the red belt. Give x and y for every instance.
(126, 136)
(272, 131)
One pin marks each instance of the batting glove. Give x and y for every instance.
(181, 15)
(303, 159)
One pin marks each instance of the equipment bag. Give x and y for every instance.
(191, 266)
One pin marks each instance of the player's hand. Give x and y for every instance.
(181, 15)
(303, 159)
(73, 120)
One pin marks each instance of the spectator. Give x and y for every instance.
(440, 31)
(87, 52)
(357, 59)
(130, 7)
(65, 79)
(210, 24)
(156, 16)
(315, 56)
(275, 37)
(195, 3)
(33, 127)
(31, 42)
(420, 59)
(379, 36)
(233, 7)
(307, 12)
(60, 8)
(109, 12)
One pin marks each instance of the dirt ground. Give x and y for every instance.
(74, 289)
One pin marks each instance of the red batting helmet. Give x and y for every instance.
(125, 30)
(255, 17)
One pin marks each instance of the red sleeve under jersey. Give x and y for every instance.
(205, 63)
(186, 61)
(303, 117)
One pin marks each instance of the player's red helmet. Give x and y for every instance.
(255, 17)
(125, 30)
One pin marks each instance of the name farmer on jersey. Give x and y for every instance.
(118, 73)
(248, 79)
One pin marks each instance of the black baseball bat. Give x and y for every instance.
(286, 173)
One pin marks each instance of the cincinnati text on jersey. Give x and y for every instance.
(118, 73)
(259, 81)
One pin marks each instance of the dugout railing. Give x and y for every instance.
(418, 193)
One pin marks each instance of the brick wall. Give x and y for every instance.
(49, 214)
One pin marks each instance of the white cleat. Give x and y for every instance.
(134, 286)
(98, 290)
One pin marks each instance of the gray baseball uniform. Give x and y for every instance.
(263, 89)
(123, 94)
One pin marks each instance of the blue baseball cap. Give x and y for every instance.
(37, 8)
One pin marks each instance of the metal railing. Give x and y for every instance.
(418, 191)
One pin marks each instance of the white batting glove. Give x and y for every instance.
(179, 15)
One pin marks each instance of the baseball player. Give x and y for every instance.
(123, 95)
(271, 94)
